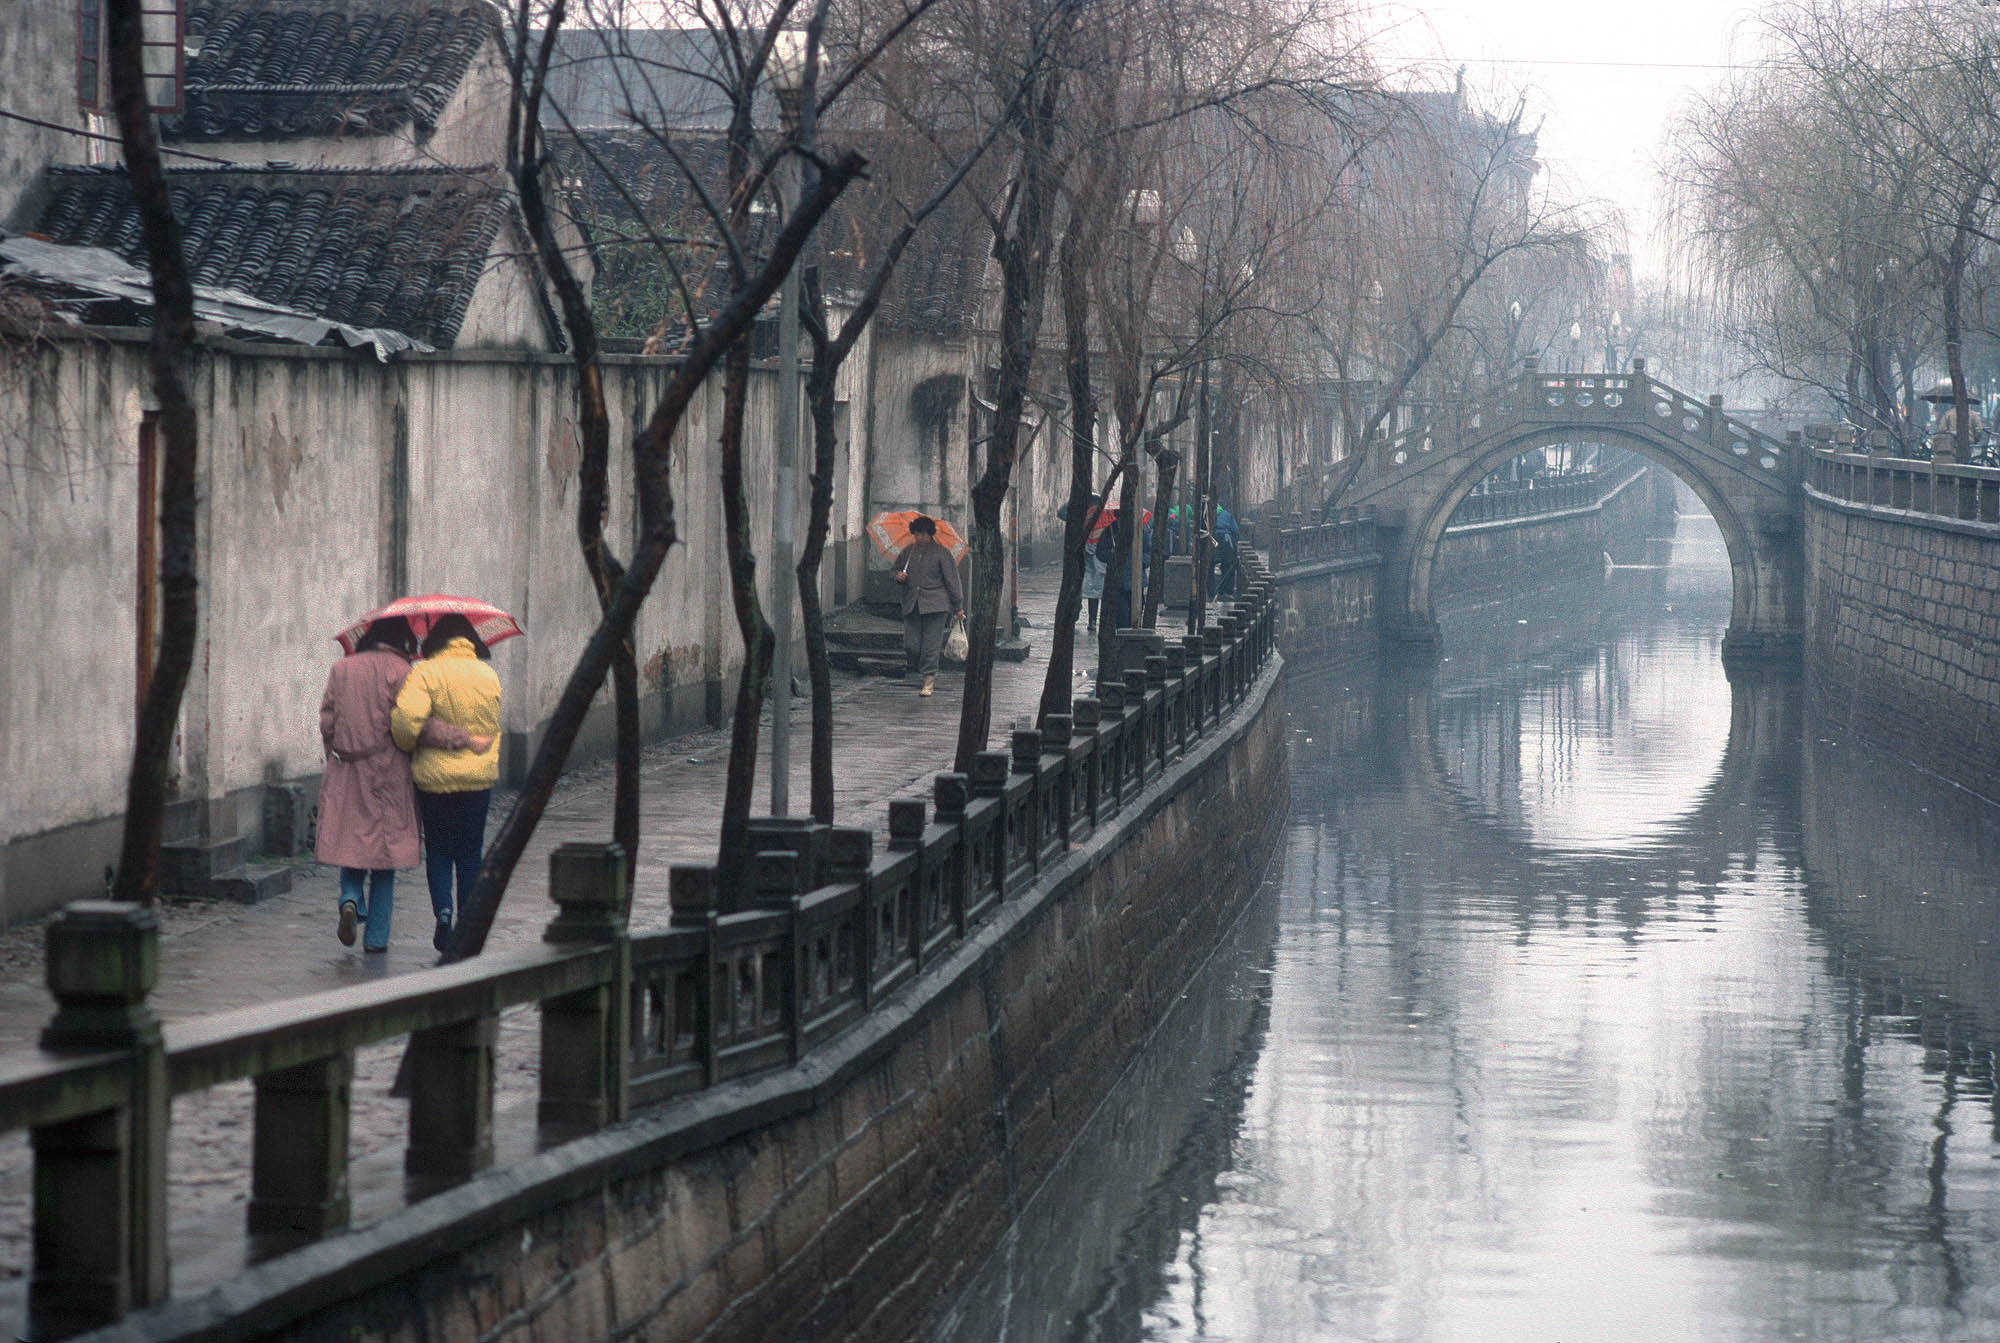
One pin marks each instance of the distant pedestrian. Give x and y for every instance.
(1093, 567)
(1227, 537)
(454, 784)
(367, 803)
(931, 597)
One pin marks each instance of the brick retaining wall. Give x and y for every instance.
(1903, 641)
(850, 1196)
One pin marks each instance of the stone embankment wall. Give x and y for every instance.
(1903, 641)
(853, 1195)
(1329, 605)
(1490, 561)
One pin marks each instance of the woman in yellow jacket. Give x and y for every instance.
(453, 684)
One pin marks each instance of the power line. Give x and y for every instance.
(109, 139)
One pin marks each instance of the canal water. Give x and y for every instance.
(1596, 998)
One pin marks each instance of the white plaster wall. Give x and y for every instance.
(68, 511)
(38, 58)
(297, 452)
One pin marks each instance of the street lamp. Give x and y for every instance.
(786, 71)
(1575, 346)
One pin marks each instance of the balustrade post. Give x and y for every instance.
(1111, 770)
(951, 794)
(299, 1147)
(586, 1059)
(989, 779)
(906, 834)
(1138, 728)
(1027, 763)
(850, 856)
(100, 1198)
(1086, 713)
(1056, 756)
(451, 1100)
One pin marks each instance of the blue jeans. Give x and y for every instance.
(376, 907)
(454, 838)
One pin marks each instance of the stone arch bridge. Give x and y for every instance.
(1750, 482)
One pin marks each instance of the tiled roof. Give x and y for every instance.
(935, 290)
(286, 69)
(396, 248)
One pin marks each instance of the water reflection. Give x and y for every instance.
(1606, 1001)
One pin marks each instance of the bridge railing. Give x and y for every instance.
(1583, 489)
(737, 983)
(1584, 399)
(1941, 489)
(1295, 541)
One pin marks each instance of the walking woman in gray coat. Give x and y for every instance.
(931, 597)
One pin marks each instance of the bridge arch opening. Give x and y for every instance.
(1427, 527)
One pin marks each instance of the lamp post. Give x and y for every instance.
(787, 71)
(1575, 346)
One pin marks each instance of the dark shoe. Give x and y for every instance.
(346, 924)
(441, 938)
(375, 950)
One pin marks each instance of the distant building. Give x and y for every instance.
(334, 159)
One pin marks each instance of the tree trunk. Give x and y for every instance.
(739, 785)
(168, 351)
(819, 515)
(1073, 269)
(1023, 267)
(1166, 464)
(651, 454)
(593, 494)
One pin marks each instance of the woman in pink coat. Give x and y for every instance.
(367, 803)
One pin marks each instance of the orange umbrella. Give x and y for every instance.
(490, 622)
(892, 535)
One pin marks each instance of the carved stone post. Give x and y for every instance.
(298, 1162)
(950, 795)
(101, 1179)
(586, 1062)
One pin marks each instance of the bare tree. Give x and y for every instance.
(709, 336)
(168, 350)
(1443, 195)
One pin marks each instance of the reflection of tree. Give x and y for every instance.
(1173, 1204)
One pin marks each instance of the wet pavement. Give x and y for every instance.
(216, 957)
(1597, 999)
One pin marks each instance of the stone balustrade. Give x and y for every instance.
(738, 983)
(1940, 489)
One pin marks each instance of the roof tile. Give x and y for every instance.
(397, 248)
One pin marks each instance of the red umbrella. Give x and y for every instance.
(490, 622)
(1101, 523)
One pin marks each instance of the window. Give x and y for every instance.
(162, 53)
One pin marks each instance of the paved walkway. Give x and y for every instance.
(216, 957)
(888, 744)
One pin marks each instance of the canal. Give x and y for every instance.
(1596, 998)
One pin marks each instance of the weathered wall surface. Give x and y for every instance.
(1327, 611)
(38, 52)
(329, 483)
(1903, 634)
(852, 1197)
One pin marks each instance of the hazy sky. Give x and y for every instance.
(1605, 74)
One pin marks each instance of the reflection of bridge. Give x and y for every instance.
(1747, 480)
